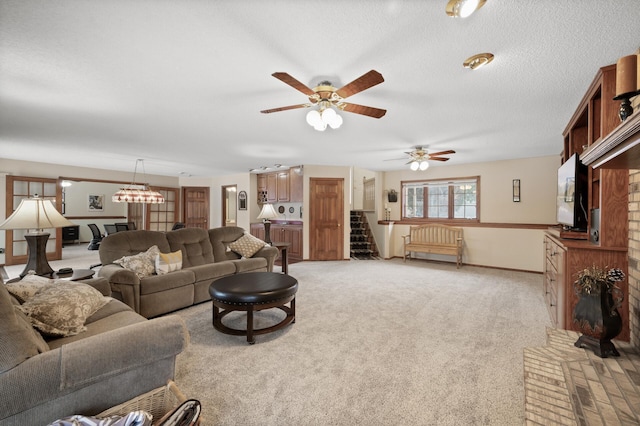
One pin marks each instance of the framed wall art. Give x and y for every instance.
(95, 203)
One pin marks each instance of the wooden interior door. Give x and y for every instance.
(196, 206)
(326, 214)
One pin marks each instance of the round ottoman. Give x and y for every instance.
(250, 292)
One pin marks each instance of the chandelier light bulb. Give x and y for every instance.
(320, 126)
(424, 165)
(414, 165)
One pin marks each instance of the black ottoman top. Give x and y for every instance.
(253, 287)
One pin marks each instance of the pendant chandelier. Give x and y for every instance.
(138, 193)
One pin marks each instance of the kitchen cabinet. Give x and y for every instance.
(283, 186)
(283, 233)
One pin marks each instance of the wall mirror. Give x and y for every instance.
(229, 205)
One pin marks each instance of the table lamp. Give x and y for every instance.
(268, 212)
(35, 215)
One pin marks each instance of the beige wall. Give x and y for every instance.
(502, 247)
(509, 248)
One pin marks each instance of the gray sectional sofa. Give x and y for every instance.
(205, 258)
(119, 356)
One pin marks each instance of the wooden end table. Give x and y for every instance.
(282, 249)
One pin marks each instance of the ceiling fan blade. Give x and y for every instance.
(395, 159)
(286, 78)
(439, 158)
(361, 83)
(285, 108)
(363, 110)
(449, 151)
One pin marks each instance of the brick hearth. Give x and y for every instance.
(566, 385)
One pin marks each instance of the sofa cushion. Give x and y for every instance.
(143, 264)
(213, 271)
(247, 245)
(194, 244)
(128, 243)
(168, 262)
(158, 283)
(61, 309)
(18, 340)
(28, 286)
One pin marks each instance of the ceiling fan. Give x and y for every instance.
(325, 95)
(419, 156)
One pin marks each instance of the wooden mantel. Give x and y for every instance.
(620, 149)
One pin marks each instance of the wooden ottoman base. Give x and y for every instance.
(221, 309)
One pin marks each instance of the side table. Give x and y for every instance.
(76, 275)
(282, 249)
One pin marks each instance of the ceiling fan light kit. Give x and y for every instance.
(327, 97)
(463, 8)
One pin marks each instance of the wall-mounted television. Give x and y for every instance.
(571, 201)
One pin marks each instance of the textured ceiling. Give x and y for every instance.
(181, 83)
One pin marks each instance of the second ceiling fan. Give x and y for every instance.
(419, 156)
(325, 95)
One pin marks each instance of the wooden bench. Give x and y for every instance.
(434, 238)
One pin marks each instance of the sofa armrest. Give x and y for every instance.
(83, 363)
(269, 253)
(100, 284)
(124, 283)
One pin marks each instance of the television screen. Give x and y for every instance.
(572, 194)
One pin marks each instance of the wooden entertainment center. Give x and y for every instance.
(567, 253)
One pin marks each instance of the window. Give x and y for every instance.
(454, 200)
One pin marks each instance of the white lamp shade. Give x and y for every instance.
(328, 115)
(414, 165)
(313, 118)
(336, 123)
(320, 126)
(35, 213)
(424, 165)
(268, 212)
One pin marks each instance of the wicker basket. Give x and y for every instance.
(158, 402)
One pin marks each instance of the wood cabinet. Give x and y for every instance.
(564, 259)
(272, 187)
(280, 187)
(282, 233)
(595, 118)
(296, 179)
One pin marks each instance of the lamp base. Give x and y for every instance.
(267, 233)
(37, 246)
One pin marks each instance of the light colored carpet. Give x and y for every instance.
(374, 343)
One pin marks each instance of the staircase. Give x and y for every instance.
(363, 246)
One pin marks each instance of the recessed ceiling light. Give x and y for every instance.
(463, 8)
(477, 61)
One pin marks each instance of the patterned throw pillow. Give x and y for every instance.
(28, 286)
(247, 245)
(168, 262)
(143, 264)
(61, 308)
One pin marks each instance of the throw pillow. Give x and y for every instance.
(168, 262)
(62, 308)
(18, 340)
(247, 245)
(28, 286)
(143, 264)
